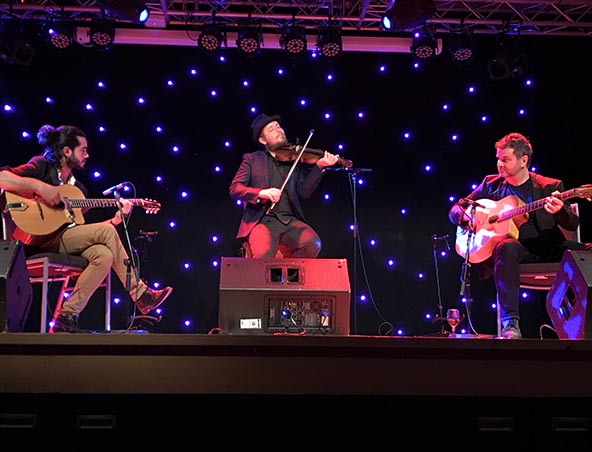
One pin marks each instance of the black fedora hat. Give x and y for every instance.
(261, 121)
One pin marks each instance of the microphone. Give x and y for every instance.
(465, 202)
(148, 233)
(440, 237)
(114, 188)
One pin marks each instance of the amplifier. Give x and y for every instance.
(284, 296)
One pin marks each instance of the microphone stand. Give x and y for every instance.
(440, 316)
(465, 278)
(353, 178)
(131, 262)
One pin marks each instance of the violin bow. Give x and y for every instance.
(292, 169)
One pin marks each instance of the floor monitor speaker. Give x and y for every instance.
(567, 300)
(16, 292)
(284, 296)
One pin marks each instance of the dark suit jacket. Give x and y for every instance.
(253, 175)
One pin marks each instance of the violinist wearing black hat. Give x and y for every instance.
(271, 188)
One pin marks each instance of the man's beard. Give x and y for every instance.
(280, 144)
(74, 163)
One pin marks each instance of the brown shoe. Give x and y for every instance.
(152, 299)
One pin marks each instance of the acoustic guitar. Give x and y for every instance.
(35, 221)
(496, 220)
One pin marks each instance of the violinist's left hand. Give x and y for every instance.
(328, 159)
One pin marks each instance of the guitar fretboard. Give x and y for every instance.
(100, 202)
(534, 205)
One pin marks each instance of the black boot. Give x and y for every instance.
(66, 323)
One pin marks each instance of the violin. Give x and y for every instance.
(291, 152)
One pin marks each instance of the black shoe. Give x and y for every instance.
(511, 329)
(66, 324)
(152, 299)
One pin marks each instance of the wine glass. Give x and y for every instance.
(453, 319)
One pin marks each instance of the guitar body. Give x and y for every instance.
(488, 231)
(33, 222)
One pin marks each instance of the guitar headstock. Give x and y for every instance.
(585, 191)
(149, 205)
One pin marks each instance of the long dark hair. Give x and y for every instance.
(53, 140)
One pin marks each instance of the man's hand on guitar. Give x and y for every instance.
(126, 206)
(552, 204)
(49, 194)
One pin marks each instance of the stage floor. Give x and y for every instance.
(472, 383)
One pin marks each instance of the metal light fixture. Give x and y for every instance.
(407, 14)
(248, 41)
(461, 47)
(329, 42)
(211, 38)
(102, 34)
(14, 48)
(59, 34)
(130, 10)
(424, 45)
(509, 60)
(293, 40)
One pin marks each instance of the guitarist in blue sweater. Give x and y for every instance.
(511, 218)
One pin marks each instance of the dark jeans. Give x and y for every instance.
(506, 258)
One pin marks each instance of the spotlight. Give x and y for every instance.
(211, 38)
(248, 41)
(461, 48)
(14, 49)
(329, 42)
(424, 45)
(509, 61)
(407, 14)
(293, 41)
(59, 34)
(102, 34)
(132, 10)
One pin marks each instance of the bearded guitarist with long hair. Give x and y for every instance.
(511, 218)
(65, 150)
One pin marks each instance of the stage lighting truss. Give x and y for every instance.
(130, 10)
(293, 40)
(329, 42)
(211, 38)
(424, 45)
(248, 41)
(59, 34)
(102, 34)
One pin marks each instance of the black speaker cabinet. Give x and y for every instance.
(16, 292)
(567, 300)
(284, 296)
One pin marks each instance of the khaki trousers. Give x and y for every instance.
(101, 245)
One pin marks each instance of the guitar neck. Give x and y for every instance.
(534, 205)
(99, 202)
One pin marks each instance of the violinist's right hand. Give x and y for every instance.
(273, 194)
